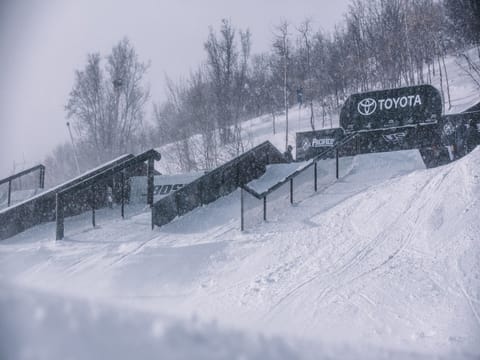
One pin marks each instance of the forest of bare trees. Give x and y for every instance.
(379, 44)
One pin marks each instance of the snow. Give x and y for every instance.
(275, 174)
(382, 263)
(464, 93)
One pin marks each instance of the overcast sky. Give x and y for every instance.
(42, 43)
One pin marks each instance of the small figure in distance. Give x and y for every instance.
(288, 154)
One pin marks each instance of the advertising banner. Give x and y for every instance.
(415, 105)
(163, 185)
(311, 143)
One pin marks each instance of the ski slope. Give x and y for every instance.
(383, 263)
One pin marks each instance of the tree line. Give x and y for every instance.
(379, 44)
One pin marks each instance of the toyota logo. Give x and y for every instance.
(367, 106)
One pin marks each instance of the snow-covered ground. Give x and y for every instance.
(383, 263)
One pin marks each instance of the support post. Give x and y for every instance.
(122, 192)
(336, 163)
(9, 192)
(42, 178)
(92, 194)
(150, 170)
(291, 191)
(264, 208)
(241, 210)
(59, 217)
(152, 213)
(315, 175)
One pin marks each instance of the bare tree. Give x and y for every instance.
(106, 104)
(282, 46)
(305, 30)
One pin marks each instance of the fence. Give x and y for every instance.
(217, 183)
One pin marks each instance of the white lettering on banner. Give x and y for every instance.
(163, 185)
(323, 142)
(368, 106)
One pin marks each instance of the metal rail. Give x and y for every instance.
(9, 179)
(313, 162)
(92, 181)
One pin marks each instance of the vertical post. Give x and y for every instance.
(152, 217)
(59, 217)
(336, 163)
(122, 192)
(241, 210)
(9, 192)
(150, 170)
(315, 175)
(264, 208)
(291, 191)
(92, 194)
(42, 178)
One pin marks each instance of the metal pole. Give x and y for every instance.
(336, 163)
(42, 178)
(315, 176)
(150, 169)
(264, 208)
(59, 217)
(291, 191)
(241, 210)
(9, 192)
(92, 190)
(122, 192)
(151, 212)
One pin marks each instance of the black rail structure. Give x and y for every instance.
(99, 180)
(217, 183)
(41, 181)
(311, 163)
(42, 208)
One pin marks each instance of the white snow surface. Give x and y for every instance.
(274, 174)
(383, 263)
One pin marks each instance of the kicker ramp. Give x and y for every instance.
(217, 183)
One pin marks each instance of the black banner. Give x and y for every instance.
(393, 108)
(311, 143)
(460, 132)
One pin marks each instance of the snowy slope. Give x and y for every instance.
(386, 258)
(464, 93)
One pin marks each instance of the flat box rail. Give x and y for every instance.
(41, 208)
(311, 163)
(217, 183)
